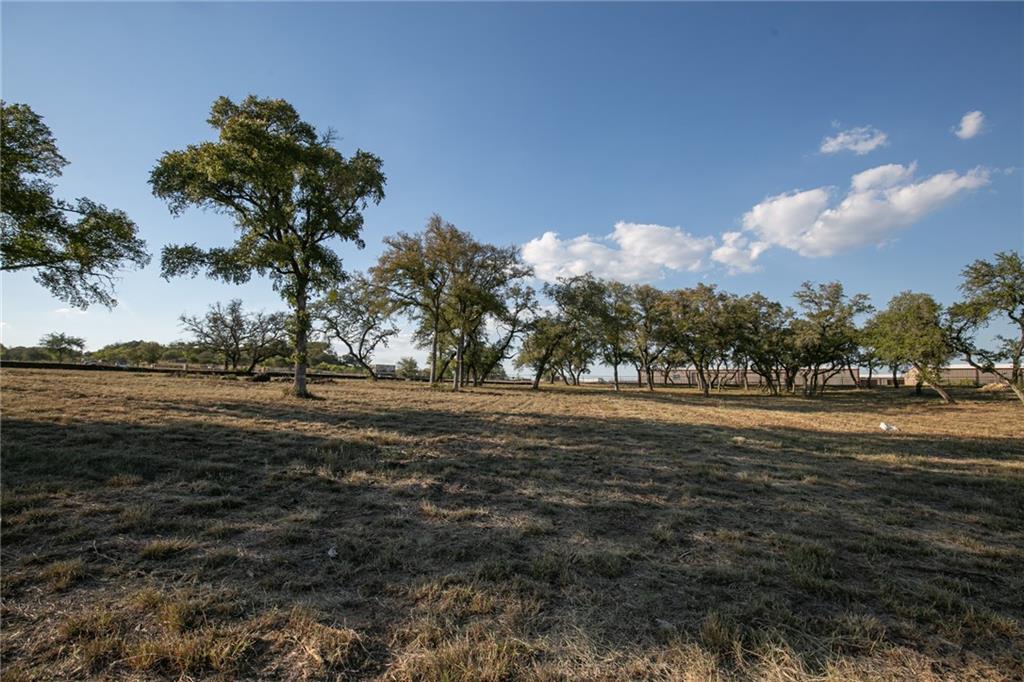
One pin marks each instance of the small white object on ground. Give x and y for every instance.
(332, 552)
(888, 428)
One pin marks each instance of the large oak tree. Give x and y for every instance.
(992, 289)
(910, 330)
(290, 193)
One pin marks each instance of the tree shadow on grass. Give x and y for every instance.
(846, 399)
(406, 524)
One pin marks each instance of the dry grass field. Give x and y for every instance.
(173, 527)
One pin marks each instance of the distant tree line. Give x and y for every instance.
(717, 334)
(291, 195)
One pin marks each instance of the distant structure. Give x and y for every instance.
(961, 375)
(385, 370)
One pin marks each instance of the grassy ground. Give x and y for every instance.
(180, 527)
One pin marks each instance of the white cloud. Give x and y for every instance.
(69, 312)
(857, 140)
(738, 253)
(633, 252)
(881, 177)
(880, 201)
(972, 123)
(781, 220)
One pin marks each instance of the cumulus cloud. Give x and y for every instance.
(972, 123)
(880, 201)
(857, 140)
(738, 253)
(780, 220)
(881, 177)
(633, 252)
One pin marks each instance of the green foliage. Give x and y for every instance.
(546, 332)
(290, 194)
(991, 289)
(763, 335)
(61, 345)
(910, 330)
(451, 285)
(75, 247)
(996, 287)
(25, 354)
(407, 368)
(564, 340)
(321, 353)
(826, 337)
(130, 353)
(616, 316)
(698, 329)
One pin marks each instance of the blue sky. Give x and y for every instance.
(631, 140)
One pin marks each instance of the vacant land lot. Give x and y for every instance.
(165, 526)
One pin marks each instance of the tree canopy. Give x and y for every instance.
(910, 330)
(237, 336)
(360, 315)
(61, 344)
(991, 289)
(75, 248)
(452, 286)
(290, 194)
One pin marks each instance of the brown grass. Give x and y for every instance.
(158, 526)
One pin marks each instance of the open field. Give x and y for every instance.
(159, 526)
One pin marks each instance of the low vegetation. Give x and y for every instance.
(163, 527)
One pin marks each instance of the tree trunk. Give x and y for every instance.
(457, 380)
(301, 335)
(895, 378)
(433, 354)
(615, 375)
(544, 363)
(935, 387)
(1014, 386)
(942, 393)
(702, 380)
(1017, 391)
(444, 367)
